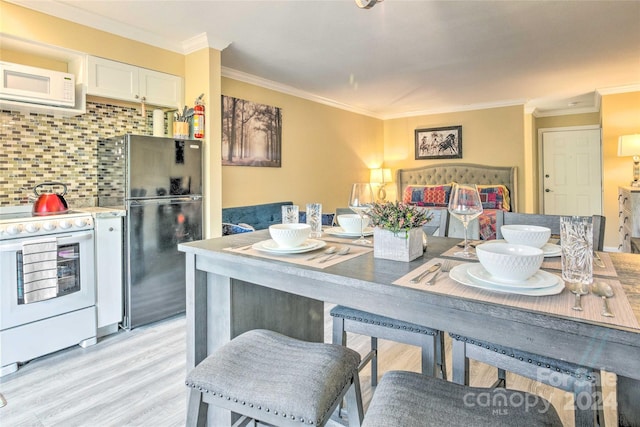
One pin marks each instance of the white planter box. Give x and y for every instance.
(397, 247)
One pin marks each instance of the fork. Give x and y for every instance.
(446, 267)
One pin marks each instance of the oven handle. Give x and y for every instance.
(62, 240)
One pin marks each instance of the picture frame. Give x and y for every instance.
(439, 143)
(251, 133)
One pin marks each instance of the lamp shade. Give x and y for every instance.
(629, 145)
(380, 176)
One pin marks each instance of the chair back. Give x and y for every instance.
(341, 211)
(552, 222)
(438, 224)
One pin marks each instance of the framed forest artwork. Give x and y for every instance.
(251, 133)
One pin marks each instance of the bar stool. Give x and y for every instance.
(580, 380)
(431, 341)
(409, 399)
(263, 375)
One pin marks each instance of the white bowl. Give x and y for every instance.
(351, 222)
(289, 235)
(509, 262)
(529, 235)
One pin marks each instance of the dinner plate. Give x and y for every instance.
(460, 273)
(272, 247)
(549, 249)
(339, 231)
(541, 279)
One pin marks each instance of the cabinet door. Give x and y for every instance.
(112, 79)
(109, 263)
(161, 89)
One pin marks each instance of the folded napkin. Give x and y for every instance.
(40, 270)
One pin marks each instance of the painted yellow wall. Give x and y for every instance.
(620, 116)
(492, 136)
(567, 120)
(202, 76)
(324, 151)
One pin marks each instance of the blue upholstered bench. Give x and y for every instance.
(243, 219)
(257, 216)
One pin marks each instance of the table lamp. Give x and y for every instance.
(380, 177)
(629, 145)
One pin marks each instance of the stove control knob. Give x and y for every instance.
(32, 228)
(49, 225)
(14, 228)
(80, 222)
(65, 223)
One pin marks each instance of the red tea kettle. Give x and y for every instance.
(50, 203)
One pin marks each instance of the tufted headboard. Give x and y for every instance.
(464, 173)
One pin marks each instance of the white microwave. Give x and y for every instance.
(36, 85)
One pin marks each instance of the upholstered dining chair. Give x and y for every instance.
(579, 380)
(431, 341)
(552, 222)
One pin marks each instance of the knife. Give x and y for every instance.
(420, 276)
(598, 261)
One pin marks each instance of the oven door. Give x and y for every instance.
(76, 280)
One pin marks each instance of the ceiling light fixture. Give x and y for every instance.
(367, 4)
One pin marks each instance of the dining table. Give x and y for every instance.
(235, 283)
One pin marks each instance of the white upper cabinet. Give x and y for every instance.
(116, 80)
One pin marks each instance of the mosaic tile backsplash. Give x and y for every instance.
(39, 148)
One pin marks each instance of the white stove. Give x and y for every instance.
(47, 284)
(16, 223)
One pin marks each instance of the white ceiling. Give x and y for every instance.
(401, 57)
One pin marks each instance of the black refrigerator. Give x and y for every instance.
(162, 194)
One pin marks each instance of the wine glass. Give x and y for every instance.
(465, 205)
(361, 201)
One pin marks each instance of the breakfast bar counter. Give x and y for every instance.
(230, 291)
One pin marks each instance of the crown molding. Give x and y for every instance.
(289, 90)
(595, 108)
(619, 89)
(458, 109)
(203, 41)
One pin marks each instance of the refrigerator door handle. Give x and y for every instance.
(165, 201)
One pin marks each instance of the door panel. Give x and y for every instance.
(572, 172)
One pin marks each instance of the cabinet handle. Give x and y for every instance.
(626, 218)
(111, 228)
(619, 196)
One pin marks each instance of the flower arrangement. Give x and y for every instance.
(397, 216)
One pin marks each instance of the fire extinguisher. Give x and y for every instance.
(198, 118)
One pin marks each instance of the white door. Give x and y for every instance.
(572, 172)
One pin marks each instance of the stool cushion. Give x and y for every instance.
(409, 399)
(277, 374)
(374, 319)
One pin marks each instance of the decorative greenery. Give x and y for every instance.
(397, 216)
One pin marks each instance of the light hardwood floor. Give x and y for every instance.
(136, 378)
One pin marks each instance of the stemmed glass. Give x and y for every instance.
(361, 201)
(465, 205)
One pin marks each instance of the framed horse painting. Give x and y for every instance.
(439, 143)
